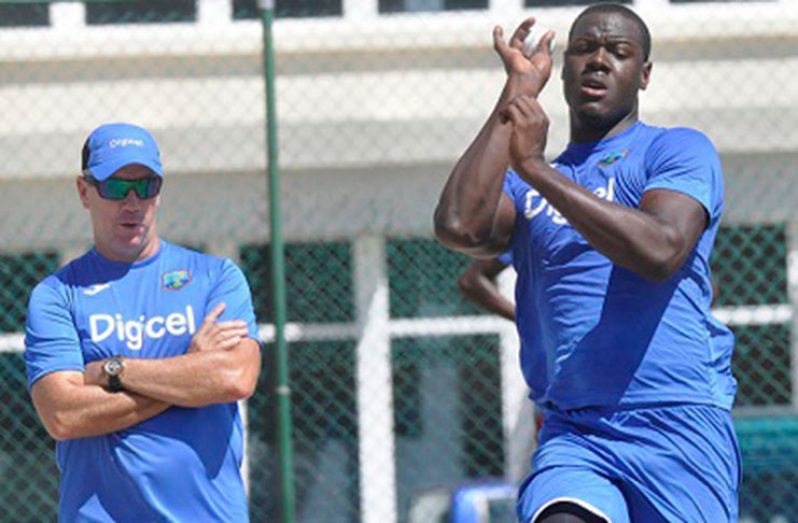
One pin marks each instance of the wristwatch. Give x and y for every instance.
(113, 368)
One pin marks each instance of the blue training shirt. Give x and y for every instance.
(506, 257)
(182, 465)
(596, 334)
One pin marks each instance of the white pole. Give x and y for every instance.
(376, 446)
(360, 10)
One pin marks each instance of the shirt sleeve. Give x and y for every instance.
(506, 257)
(232, 288)
(684, 160)
(513, 186)
(51, 339)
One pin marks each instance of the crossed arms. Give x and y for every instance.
(221, 365)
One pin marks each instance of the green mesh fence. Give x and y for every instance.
(19, 274)
(422, 280)
(29, 476)
(458, 436)
(402, 392)
(326, 427)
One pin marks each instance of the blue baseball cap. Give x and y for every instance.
(115, 145)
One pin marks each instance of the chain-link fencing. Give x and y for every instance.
(402, 392)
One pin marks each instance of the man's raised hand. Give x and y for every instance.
(218, 335)
(534, 70)
(530, 131)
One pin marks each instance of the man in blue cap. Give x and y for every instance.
(139, 394)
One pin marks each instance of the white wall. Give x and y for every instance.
(355, 95)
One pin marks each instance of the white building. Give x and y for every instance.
(375, 99)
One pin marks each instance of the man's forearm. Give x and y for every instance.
(465, 214)
(653, 246)
(74, 410)
(484, 293)
(199, 378)
(465, 218)
(477, 284)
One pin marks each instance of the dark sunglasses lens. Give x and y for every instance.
(116, 189)
(148, 187)
(112, 189)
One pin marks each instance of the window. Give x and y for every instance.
(19, 273)
(749, 266)
(761, 364)
(324, 407)
(422, 276)
(143, 12)
(717, 1)
(248, 9)
(318, 279)
(24, 15)
(417, 6)
(447, 411)
(556, 3)
(24, 445)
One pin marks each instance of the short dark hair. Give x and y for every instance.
(84, 156)
(613, 8)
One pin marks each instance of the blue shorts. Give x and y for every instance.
(663, 464)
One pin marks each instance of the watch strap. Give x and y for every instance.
(115, 375)
(115, 384)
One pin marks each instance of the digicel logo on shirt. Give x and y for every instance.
(134, 332)
(534, 205)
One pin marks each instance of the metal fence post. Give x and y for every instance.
(282, 390)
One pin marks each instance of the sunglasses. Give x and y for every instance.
(118, 188)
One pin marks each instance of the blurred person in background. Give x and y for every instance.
(137, 388)
(611, 243)
(477, 283)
